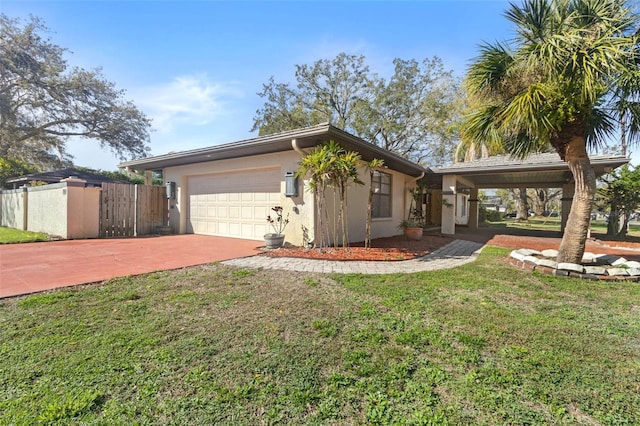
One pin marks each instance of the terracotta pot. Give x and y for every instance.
(274, 241)
(414, 233)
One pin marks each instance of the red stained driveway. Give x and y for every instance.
(33, 267)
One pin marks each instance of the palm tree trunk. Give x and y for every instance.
(576, 231)
(367, 229)
(523, 211)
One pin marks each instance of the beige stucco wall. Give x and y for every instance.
(12, 208)
(83, 212)
(301, 209)
(357, 200)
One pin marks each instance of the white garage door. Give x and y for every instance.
(233, 204)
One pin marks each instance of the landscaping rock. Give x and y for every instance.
(549, 253)
(531, 260)
(573, 267)
(548, 263)
(517, 255)
(619, 261)
(588, 257)
(528, 252)
(595, 270)
(631, 264)
(617, 272)
(634, 272)
(605, 259)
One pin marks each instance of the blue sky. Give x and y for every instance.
(195, 67)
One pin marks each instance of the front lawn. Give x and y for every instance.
(12, 235)
(553, 224)
(480, 344)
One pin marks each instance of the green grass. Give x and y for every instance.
(553, 224)
(11, 235)
(481, 344)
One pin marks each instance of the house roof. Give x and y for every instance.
(306, 138)
(546, 169)
(57, 175)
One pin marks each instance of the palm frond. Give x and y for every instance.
(532, 20)
(489, 68)
(529, 112)
(600, 127)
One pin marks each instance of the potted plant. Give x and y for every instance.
(413, 226)
(412, 229)
(278, 223)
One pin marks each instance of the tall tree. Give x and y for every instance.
(327, 91)
(10, 168)
(413, 114)
(622, 194)
(553, 86)
(43, 102)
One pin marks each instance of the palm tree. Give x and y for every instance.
(555, 86)
(330, 166)
(345, 171)
(316, 167)
(371, 166)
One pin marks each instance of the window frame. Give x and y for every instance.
(379, 185)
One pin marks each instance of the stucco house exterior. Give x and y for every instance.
(228, 190)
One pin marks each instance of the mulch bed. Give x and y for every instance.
(386, 249)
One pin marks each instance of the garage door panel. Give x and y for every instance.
(234, 212)
(234, 204)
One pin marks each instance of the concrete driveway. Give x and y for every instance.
(33, 267)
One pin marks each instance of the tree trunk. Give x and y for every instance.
(523, 211)
(367, 229)
(576, 231)
(613, 223)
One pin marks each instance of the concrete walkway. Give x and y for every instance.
(456, 253)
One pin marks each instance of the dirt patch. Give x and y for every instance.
(383, 249)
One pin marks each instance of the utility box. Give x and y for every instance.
(290, 184)
(171, 190)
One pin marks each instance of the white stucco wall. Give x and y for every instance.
(462, 209)
(301, 209)
(48, 209)
(12, 211)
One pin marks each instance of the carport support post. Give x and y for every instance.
(473, 208)
(449, 186)
(568, 189)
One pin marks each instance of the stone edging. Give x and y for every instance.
(593, 266)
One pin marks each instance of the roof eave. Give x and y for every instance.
(273, 143)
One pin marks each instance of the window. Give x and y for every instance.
(381, 195)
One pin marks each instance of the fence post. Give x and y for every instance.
(25, 208)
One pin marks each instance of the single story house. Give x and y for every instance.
(229, 190)
(92, 180)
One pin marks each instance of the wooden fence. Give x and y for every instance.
(131, 210)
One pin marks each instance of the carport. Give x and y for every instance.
(544, 170)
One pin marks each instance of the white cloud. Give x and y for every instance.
(187, 100)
